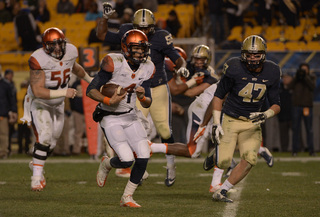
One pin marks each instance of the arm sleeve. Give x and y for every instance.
(146, 86)
(100, 79)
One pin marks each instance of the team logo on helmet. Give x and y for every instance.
(54, 42)
(132, 38)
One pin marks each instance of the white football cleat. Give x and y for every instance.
(123, 172)
(37, 183)
(214, 188)
(221, 195)
(127, 201)
(103, 171)
(171, 175)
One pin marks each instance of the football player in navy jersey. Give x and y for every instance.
(246, 83)
(161, 46)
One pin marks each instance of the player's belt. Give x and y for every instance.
(99, 113)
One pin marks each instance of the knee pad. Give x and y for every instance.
(41, 151)
(251, 159)
(116, 163)
(164, 130)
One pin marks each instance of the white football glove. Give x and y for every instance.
(107, 10)
(199, 134)
(258, 117)
(217, 131)
(184, 72)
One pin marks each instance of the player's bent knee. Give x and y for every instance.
(225, 164)
(41, 151)
(251, 159)
(126, 164)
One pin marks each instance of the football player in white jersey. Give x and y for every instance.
(118, 116)
(50, 71)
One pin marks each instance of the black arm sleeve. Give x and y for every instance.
(100, 79)
(146, 86)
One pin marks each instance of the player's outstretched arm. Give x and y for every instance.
(79, 71)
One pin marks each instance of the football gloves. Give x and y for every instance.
(107, 10)
(258, 117)
(217, 131)
(184, 72)
(199, 134)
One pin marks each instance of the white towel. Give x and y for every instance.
(27, 107)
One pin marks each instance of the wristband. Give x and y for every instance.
(57, 93)
(216, 116)
(87, 78)
(190, 83)
(269, 113)
(106, 100)
(143, 99)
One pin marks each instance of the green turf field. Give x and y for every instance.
(290, 188)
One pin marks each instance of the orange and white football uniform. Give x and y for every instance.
(125, 132)
(48, 114)
(196, 113)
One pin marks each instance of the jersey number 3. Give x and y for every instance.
(247, 92)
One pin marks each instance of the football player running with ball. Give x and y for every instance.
(118, 116)
(246, 83)
(50, 72)
(161, 46)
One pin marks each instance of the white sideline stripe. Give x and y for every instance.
(232, 208)
(159, 160)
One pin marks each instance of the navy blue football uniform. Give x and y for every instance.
(161, 46)
(248, 90)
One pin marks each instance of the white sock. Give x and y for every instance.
(216, 177)
(261, 149)
(159, 148)
(170, 160)
(226, 185)
(37, 166)
(130, 188)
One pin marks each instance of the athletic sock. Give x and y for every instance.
(226, 185)
(216, 177)
(159, 147)
(37, 166)
(130, 188)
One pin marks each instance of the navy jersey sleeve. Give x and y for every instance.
(115, 37)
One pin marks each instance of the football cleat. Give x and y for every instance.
(214, 188)
(43, 179)
(267, 156)
(221, 195)
(37, 183)
(123, 172)
(127, 201)
(208, 163)
(171, 175)
(103, 171)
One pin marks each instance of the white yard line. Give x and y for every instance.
(232, 208)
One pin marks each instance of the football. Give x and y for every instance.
(109, 89)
